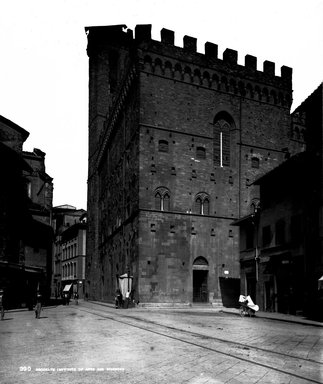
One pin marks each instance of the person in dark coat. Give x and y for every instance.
(1, 304)
(38, 307)
(118, 298)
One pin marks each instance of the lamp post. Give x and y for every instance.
(128, 278)
(255, 221)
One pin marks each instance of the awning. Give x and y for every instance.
(124, 276)
(243, 220)
(34, 270)
(67, 287)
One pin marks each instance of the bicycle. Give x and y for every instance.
(247, 306)
(244, 310)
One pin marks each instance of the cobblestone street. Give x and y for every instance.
(93, 343)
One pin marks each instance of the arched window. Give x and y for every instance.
(206, 207)
(158, 199)
(198, 205)
(162, 199)
(165, 202)
(202, 204)
(223, 124)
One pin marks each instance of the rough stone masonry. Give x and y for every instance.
(176, 137)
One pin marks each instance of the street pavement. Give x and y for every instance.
(95, 343)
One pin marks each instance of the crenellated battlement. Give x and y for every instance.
(230, 56)
(119, 33)
(204, 69)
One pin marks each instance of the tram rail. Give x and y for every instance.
(247, 353)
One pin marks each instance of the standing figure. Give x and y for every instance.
(38, 306)
(76, 298)
(127, 299)
(1, 304)
(118, 298)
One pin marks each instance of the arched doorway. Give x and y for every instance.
(200, 280)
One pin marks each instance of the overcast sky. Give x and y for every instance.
(44, 66)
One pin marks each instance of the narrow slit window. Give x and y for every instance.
(163, 146)
(255, 162)
(200, 153)
(221, 140)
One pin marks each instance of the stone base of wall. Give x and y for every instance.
(214, 304)
(164, 305)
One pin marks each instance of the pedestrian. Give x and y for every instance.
(127, 299)
(1, 304)
(76, 298)
(67, 299)
(134, 301)
(118, 298)
(38, 307)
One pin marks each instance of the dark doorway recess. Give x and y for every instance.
(230, 291)
(200, 290)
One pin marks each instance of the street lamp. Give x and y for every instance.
(128, 278)
(255, 221)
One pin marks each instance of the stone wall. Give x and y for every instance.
(171, 122)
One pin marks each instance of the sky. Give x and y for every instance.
(44, 65)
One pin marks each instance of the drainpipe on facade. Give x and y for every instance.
(240, 156)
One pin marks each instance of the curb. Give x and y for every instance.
(233, 311)
(278, 317)
(168, 306)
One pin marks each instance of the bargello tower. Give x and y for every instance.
(176, 138)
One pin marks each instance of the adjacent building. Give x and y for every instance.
(176, 139)
(69, 250)
(38, 243)
(281, 251)
(73, 244)
(25, 231)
